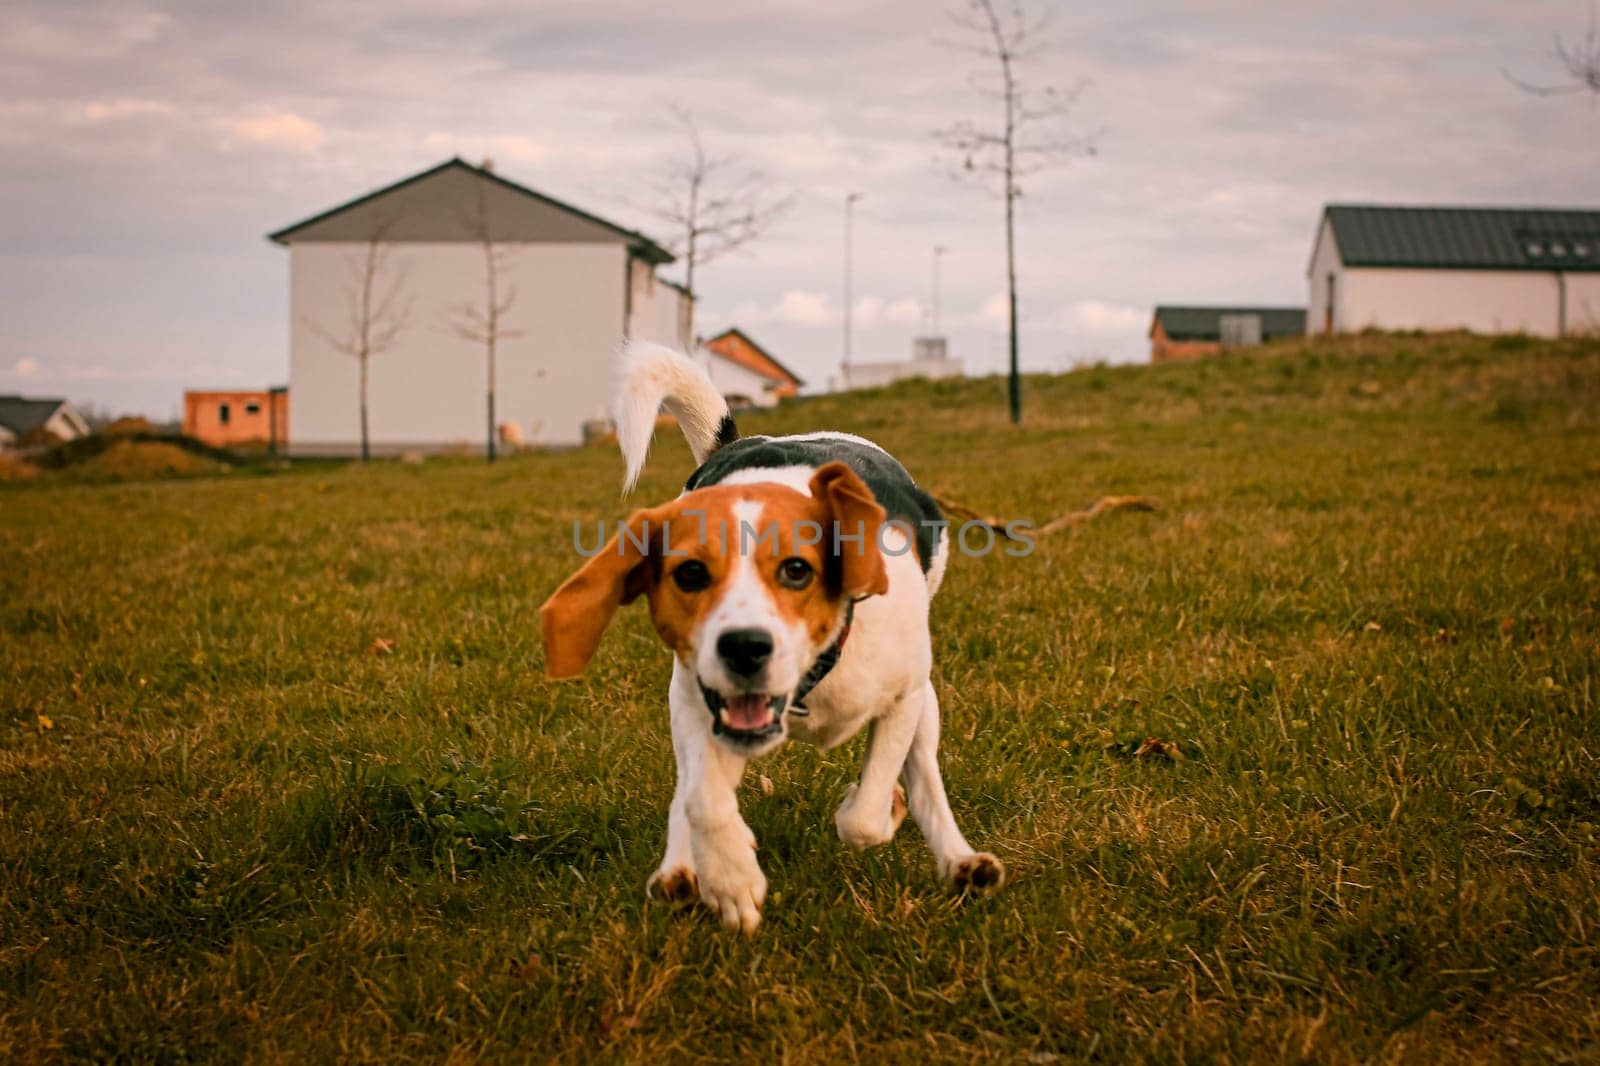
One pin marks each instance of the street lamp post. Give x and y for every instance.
(849, 308)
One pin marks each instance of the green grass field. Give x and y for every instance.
(281, 779)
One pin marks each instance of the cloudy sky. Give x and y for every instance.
(145, 150)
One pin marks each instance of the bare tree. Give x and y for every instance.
(1025, 137)
(378, 312)
(1581, 64)
(485, 323)
(714, 203)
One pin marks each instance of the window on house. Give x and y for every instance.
(222, 413)
(252, 408)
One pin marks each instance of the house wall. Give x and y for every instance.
(66, 424)
(732, 347)
(737, 382)
(428, 390)
(877, 375)
(202, 417)
(656, 311)
(1583, 304)
(1324, 261)
(1484, 301)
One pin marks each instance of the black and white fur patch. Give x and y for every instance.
(896, 491)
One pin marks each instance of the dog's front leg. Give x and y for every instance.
(708, 844)
(675, 878)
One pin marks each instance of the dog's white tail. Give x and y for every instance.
(653, 376)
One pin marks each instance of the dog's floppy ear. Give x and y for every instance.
(575, 616)
(852, 534)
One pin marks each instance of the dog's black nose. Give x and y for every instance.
(745, 651)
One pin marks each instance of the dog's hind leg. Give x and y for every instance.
(965, 869)
(874, 807)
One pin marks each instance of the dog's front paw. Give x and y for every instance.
(677, 885)
(862, 829)
(731, 882)
(977, 874)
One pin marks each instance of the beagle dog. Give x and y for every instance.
(791, 580)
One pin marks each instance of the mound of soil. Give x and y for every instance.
(136, 459)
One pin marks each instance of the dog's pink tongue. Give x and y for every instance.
(747, 712)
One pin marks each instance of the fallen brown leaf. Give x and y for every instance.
(1157, 748)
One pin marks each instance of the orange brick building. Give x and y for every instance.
(1196, 332)
(226, 418)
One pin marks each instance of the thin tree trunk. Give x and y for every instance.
(1015, 384)
(494, 327)
(1011, 300)
(365, 453)
(491, 400)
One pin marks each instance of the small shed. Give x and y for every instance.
(224, 418)
(1195, 332)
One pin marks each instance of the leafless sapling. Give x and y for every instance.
(713, 204)
(378, 311)
(485, 322)
(1580, 65)
(1024, 137)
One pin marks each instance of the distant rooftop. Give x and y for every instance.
(1205, 323)
(24, 416)
(447, 203)
(1466, 238)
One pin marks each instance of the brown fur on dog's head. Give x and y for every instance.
(653, 543)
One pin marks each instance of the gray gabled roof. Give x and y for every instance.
(1205, 323)
(22, 416)
(1466, 238)
(442, 204)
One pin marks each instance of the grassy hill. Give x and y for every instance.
(279, 773)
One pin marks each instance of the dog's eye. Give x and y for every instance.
(692, 576)
(794, 573)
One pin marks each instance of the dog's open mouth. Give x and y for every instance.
(749, 716)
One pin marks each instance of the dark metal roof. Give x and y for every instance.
(427, 207)
(23, 416)
(1205, 323)
(1466, 238)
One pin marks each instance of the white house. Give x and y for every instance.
(24, 422)
(744, 372)
(1490, 270)
(571, 287)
